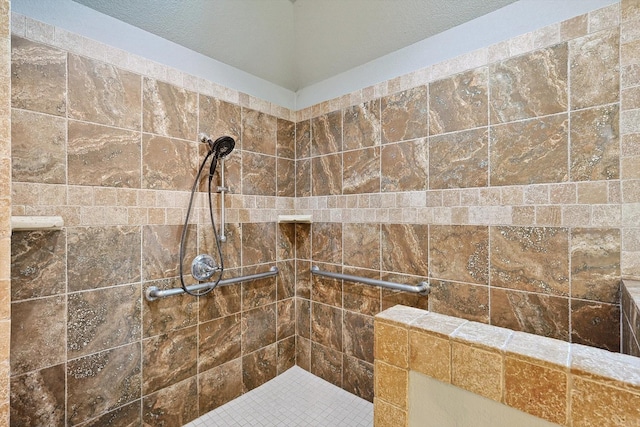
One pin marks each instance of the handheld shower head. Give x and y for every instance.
(223, 146)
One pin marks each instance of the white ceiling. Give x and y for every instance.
(295, 43)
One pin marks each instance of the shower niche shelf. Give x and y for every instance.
(295, 218)
(32, 223)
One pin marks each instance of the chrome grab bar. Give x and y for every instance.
(152, 293)
(422, 288)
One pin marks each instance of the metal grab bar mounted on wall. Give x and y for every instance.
(422, 288)
(152, 293)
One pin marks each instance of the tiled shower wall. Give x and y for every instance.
(108, 141)
(498, 175)
(502, 176)
(5, 208)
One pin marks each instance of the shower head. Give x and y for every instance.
(223, 146)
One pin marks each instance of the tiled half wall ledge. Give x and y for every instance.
(567, 384)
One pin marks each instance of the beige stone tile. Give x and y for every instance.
(607, 215)
(536, 194)
(391, 344)
(400, 315)
(539, 350)
(391, 384)
(577, 26)
(523, 215)
(513, 195)
(603, 18)
(480, 335)
(549, 215)
(563, 193)
(430, 355)
(592, 193)
(537, 390)
(546, 36)
(594, 404)
(576, 215)
(478, 371)
(387, 415)
(614, 369)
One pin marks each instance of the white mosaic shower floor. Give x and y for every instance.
(294, 398)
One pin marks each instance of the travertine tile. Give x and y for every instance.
(595, 264)
(532, 259)
(169, 110)
(614, 369)
(43, 389)
(361, 171)
(101, 155)
(430, 355)
(102, 93)
(259, 367)
(177, 405)
(168, 359)
(529, 86)
(593, 60)
(459, 253)
(391, 384)
(362, 125)
(38, 146)
(326, 134)
(595, 404)
(38, 261)
(458, 102)
(404, 115)
(476, 370)
(259, 132)
(529, 152)
(38, 77)
(538, 350)
(102, 381)
(387, 415)
(461, 300)
(36, 329)
(537, 390)
(391, 344)
(595, 144)
(595, 323)
(327, 363)
(534, 313)
(459, 160)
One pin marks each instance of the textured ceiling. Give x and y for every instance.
(295, 43)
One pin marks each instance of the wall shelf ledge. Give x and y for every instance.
(31, 223)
